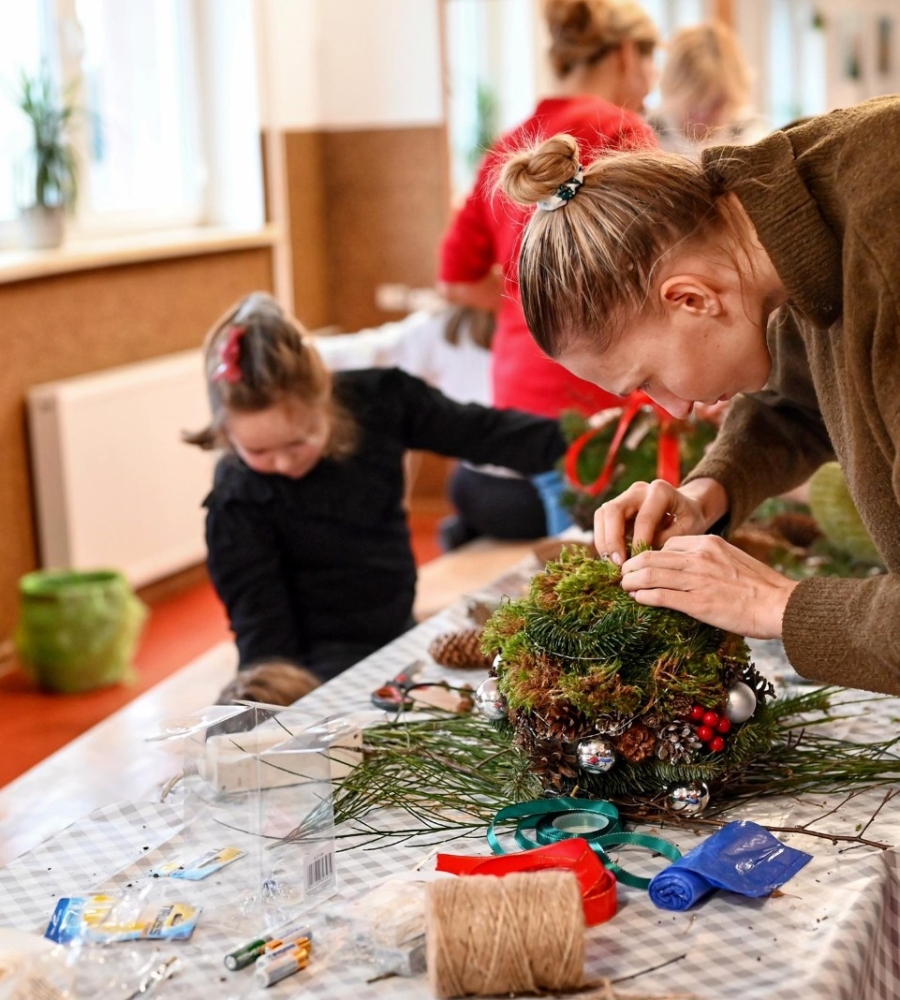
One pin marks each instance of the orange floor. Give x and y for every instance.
(178, 629)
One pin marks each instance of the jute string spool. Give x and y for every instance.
(488, 936)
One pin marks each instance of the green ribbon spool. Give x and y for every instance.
(548, 821)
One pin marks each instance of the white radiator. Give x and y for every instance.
(114, 485)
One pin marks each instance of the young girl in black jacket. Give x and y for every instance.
(308, 542)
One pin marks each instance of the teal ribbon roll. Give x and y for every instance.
(548, 821)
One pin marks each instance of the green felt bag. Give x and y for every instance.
(78, 630)
(833, 508)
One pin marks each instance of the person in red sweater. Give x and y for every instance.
(602, 55)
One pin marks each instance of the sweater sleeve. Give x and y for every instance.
(772, 440)
(468, 251)
(246, 568)
(846, 631)
(481, 434)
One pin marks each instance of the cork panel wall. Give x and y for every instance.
(366, 207)
(82, 322)
(307, 220)
(386, 198)
(386, 205)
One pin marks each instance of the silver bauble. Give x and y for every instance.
(740, 703)
(595, 755)
(489, 700)
(688, 799)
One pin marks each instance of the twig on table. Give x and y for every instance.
(888, 795)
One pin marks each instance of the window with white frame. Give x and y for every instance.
(812, 56)
(145, 163)
(21, 51)
(164, 133)
(670, 15)
(492, 77)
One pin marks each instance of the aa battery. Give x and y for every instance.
(282, 962)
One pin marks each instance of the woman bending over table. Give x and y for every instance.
(768, 273)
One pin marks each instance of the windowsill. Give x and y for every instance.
(85, 255)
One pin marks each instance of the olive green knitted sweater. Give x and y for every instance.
(824, 197)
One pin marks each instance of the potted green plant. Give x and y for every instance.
(48, 181)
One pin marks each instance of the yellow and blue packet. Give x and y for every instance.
(199, 868)
(103, 918)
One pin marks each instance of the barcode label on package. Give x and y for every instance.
(319, 870)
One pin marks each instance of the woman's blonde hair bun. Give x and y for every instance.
(585, 31)
(534, 174)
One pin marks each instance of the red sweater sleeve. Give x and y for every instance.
(468, 250)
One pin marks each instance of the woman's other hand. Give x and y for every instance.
(706, 577)
(655, 512)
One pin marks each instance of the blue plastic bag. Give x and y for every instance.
(742, 857)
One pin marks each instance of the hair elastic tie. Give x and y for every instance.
(564, 193)
(229, 367)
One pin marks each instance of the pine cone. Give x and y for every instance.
(563, 721)
(554, 762)
(636, 743)
(681, 705)
(798, 529)
(763, 544)
(653, 720)
(732, 671)
(677, 743)
(735, 671)
(460, 650)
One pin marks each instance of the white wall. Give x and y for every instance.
(350, 64)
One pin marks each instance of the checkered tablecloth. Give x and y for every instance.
(833, 932)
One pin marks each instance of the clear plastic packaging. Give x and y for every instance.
(256, 788)
(385, 926)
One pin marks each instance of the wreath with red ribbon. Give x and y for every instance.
(639, 441)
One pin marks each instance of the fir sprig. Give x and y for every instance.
(579, 658)
(452, 774)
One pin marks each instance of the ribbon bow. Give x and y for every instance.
(668, 462)
(229, 367)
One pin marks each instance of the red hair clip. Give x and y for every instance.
(229, 367)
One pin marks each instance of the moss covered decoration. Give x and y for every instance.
(579, 658)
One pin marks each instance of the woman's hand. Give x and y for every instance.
(713, 581)
(656, 512)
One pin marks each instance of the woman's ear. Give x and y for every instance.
(692, 293)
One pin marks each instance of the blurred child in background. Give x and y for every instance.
(308, 543)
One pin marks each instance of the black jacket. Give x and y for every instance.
(326, 558)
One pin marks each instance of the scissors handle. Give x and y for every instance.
(394, 694)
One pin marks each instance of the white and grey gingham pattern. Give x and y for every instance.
(833, 933)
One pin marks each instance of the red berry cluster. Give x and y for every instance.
(712, 727)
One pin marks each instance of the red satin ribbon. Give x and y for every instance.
(598, 886)
(229, 367)
(668, 461)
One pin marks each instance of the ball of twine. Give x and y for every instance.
(523, 933)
